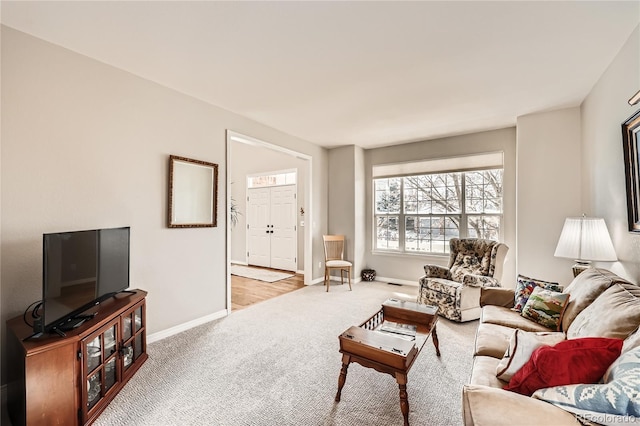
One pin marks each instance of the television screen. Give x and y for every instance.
(80, 269)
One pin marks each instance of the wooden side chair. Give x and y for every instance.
(334, 258)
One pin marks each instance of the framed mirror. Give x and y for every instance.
(193, 193)
(630, 130)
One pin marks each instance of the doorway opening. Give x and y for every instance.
(272, 225)
(269, 191)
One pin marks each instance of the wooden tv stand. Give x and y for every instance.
(70, 380)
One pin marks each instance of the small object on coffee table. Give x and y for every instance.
(385, 352)
(398, 329)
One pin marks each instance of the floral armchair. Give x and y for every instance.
(473, 264)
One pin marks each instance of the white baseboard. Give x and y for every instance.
(397, 281)
(186, 326)
(379, 279)
(354, 280)
(317, 281)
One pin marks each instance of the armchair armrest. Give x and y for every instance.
(473, 280)
(497, 296)
(437, 271)
(485, 406)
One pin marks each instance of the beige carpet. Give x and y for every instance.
(277, 363)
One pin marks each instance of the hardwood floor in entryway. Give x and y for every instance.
(245, 291)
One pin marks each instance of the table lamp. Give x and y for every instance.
(585, 239)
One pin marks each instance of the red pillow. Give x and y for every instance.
(569, 362)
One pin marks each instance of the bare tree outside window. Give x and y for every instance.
(483, 193)
(422, 213)
(387, 202)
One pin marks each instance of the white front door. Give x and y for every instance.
(284, 237)
(272, 234)
(259, 237)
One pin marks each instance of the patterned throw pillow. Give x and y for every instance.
(525, 286)
(615, 402)
(545, 307)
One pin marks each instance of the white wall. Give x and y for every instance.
(341, 199)
(347, 202)
(85, 145)
(549, 182)
(250, 159)
(604, 190)
(360, 211)
(409, 268)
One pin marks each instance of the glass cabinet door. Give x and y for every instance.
(99, 355)
(133, 336)
(93, 359)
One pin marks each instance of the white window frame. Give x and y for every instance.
(273, 174)
(477, 163)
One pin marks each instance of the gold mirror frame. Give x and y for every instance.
(193, 193)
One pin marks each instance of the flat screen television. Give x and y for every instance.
(81, 269)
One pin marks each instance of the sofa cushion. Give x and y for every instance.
(509, 318)
(615, 313)
(485, 406)
(492, 340)
(584, 289)
(484, 372)
(497, 296)
(618, 397)
(545, 307)
(521, 346)
(569, 362)
(524, 288)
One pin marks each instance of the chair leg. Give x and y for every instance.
(326, 277)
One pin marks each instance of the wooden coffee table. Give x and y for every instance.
(389, 353)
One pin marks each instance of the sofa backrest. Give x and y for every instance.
(615, 314)
(586, 288)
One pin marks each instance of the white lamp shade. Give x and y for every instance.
(585, 238)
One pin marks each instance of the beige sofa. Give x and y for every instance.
(601, 304)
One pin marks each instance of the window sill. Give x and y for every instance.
(437, 257)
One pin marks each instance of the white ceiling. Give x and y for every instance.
(363, 73)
